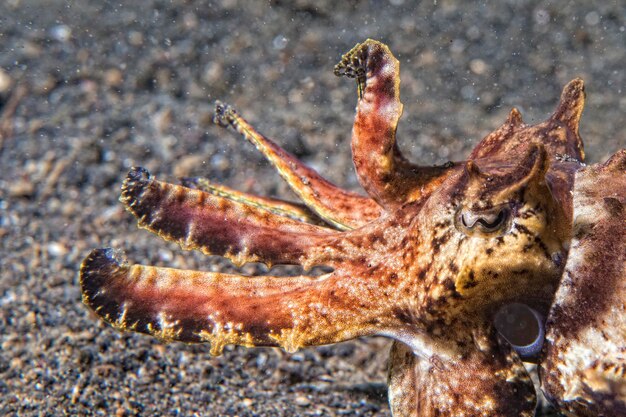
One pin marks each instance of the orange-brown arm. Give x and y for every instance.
(382, 170)
(342, 209)
(294, 211)
(220, 226)
(221, 309)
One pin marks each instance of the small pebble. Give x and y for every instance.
(31, 318)
(187, 164)
(190, 20)
(165, 255)
(5, 81)
(61, 33)
(302, 401)
(44, 84)
(478, 66)
(16, 363)
(219, 162)
(135, 38)
(113, 77)
(32, 49)
(163, 120)
(22, 188)
(280, 42)
(56, 249)
(213, 73)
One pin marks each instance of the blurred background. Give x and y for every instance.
(90, 88)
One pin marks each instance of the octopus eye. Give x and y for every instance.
(523, 327)
(483, 221)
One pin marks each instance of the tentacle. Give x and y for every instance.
(382, 170)
(584, 367)
(283, 208)
(221, 309)
(484, 379)
(220, 226)
(342, 209)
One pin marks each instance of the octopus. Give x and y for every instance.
(473, 268)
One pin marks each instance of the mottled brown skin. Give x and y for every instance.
(584, 365)
(427, 259)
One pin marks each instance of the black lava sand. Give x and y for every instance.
(89, 89)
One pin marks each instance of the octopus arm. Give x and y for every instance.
(486, 379)
(584, 364)
(381, 168)
(283, 208)
(342, 209)
(222, 226)
(222, 309)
